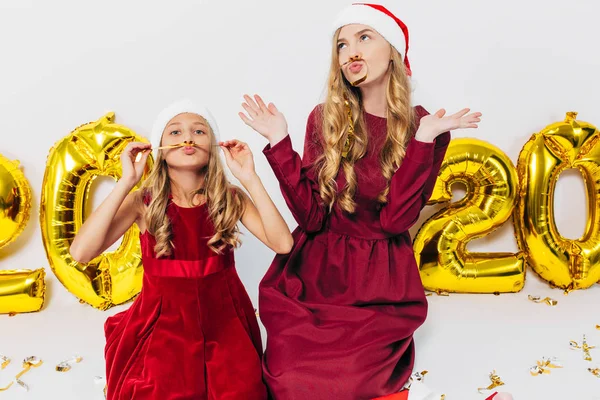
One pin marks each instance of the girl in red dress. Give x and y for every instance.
(192, 332)
(340, 310)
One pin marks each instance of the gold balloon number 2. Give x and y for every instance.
(490, 179)
(495, 190)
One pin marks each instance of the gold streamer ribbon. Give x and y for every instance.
(538, 299)
(544, 366)
(28, 363)
(65, 366)
(416, 376)
(585, 347)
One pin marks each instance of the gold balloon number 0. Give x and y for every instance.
(494, 191)
(565, 263)
(74, 162)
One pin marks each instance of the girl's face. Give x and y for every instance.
(192, 129)
(362, 51)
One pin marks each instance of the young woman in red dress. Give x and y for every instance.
(340, 310)
(192, 332)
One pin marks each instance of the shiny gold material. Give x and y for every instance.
(544, 366)
(547, 300)
(185, 143)
(28, 363)
(350, 134)
(65, 366)
(22, 290)
(440, 246)
(595, 371)
(15, 201)
(584, 347)
(565, 263)
(23, 385)
(366, 67)
(5, 361)
(74, 162)
(415, 376)
(496, 381)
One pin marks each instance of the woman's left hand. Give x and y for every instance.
(239, 159)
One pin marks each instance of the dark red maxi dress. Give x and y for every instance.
(340, 310)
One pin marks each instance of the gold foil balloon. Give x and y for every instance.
(73, 163)
(15, 201)
(565, 263)
(441, 244)
(20, 290)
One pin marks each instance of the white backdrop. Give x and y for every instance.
(522, 63)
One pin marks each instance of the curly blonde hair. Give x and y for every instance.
(400, 122)
(226, 204)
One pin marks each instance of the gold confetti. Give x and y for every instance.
(438, 292)
(595, 371)
(6, 387)
(538, 299)
(544, 366)
(416, 376)
(496, 381)
(584, 347)
(65, 366)
(598, 327)
(28, 363)
(5, 361)
(23, 385)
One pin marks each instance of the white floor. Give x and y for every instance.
(463, 340)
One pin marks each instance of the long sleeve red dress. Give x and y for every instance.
(341, 308)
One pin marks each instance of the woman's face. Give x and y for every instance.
(363, 52)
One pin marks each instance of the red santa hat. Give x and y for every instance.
(382, 20)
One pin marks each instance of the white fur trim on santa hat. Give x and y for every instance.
(384, 24)
(180, 107)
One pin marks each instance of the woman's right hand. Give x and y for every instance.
(266, 120)
(132, 170)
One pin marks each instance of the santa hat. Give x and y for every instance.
(180, 107)
(382, 20)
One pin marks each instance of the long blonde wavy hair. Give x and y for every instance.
(400, 122)
(225, 203)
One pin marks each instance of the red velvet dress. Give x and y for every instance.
(340, 310)
(192, 332)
